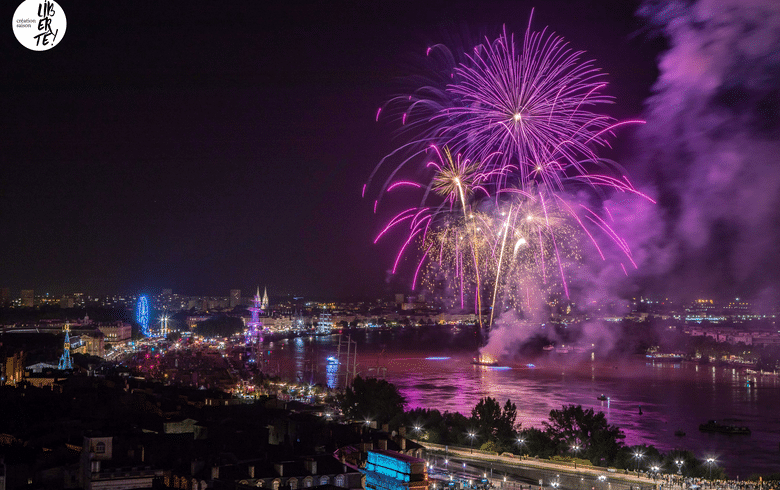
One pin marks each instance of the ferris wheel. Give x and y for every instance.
(142, 315)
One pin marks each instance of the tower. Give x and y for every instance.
(164, 318)
(255, 325)
(65, 361)
(264, 304)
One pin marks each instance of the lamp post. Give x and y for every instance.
(679, 464)
(520, 443)
(638, 456)
(710, 462)
(471, 441)
(417, 430)
(575, 448)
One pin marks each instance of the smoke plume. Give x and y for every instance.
(710, 151)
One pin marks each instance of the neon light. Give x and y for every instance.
(142, 315)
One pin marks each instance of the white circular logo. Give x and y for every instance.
(39, 24)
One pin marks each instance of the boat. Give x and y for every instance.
(485, 360)
(601, 397)
(666, 357)
(714, 426)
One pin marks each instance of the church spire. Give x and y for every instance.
(264, 304)
(65, 360)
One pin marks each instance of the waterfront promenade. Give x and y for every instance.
(549, 473)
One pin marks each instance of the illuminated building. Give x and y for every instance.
(12, 367)
(388, 470)
(116, 332)
(254, 326)
(264, 304)
(93, 344)
(28, 298)
(67, 301)
(42, 375)
(164, 330)
(65, 361)
(324, 324)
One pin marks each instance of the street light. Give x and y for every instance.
(574, 449)
(710, 461)
(679, 464)
(520, 443)
(638, 456)
(471, 439)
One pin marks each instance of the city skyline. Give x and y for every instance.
(231, 143)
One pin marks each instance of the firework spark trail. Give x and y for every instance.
(509, 129)
(555, 245)
(400, 217)
(417, 271)
(582, 226)
(498, 269)
(403, 182)
(401, 252)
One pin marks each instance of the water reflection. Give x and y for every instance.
(433, 369)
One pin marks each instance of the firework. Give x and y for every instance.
(505, 251)
(504, 145)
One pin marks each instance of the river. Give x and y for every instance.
(432, 368)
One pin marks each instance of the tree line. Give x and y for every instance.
(570, 433)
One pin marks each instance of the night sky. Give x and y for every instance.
(203, 146)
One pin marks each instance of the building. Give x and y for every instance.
(293, 474)
(43, 375)
(192, 321)
(115, 332)
(324, 324)
(12, 367)
(28, 298)
(99, 471)
(389, 470)
(5, 296)
(235, 297)
(264, 303)
(94, 344)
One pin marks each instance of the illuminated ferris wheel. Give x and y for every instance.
(142, 315)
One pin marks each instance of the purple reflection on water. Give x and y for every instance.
(673, 396)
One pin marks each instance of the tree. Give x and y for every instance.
(572, 425)
(639, 456)
(493, 422)
(372, 399)
(535, 442)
